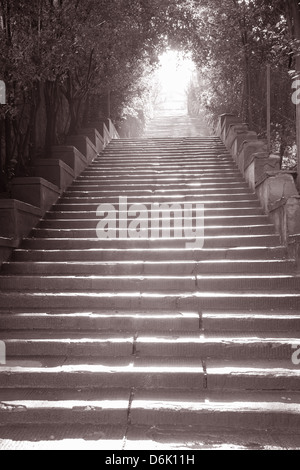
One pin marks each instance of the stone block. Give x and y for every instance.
(229, 121)
(233, 131)
(71, 156)
(35, 191)
(7, 245)
(84, 145)
(274, 187)
(95, 137)
(17, 219)
(237, 146)
(259, 164)
(55, 171)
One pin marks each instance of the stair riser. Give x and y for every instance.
(151, 255)
(64, 416)
(91, 224)
(251, 326)
(132, 192)
(163, 199)
(202, 420)
(246, 351)
(206, 243)
(142, 380)
(209, 212)
(65, 284)
(137, 301)
(220, 205)
(149, 380)
(142, 268)
(109, 323)
(209, 231)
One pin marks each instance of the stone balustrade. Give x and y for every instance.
(275, 188)
(33, 196)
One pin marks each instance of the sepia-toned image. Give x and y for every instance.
(150, 228)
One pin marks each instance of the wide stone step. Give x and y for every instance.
(222, 322)
(29, 406)
(151, 254)
(228, 241)
(250, 321)
(91, 178)
(193, 172)
(100, 320)
(81, 185)
(81, 223)
(151, 344)
(133, 191)
(149, 161)
(210, 213)
(152, 198)
(139, 165)
(150, 268)
(219, 204)
(150, 374)
(154, 283)
(254, 300)
(242, 410)
(212, 230)
(248, 411)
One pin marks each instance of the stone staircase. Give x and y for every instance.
(144, 343)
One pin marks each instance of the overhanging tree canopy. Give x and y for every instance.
(60, 58)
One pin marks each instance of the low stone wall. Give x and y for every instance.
(32, 197)
(275, 188)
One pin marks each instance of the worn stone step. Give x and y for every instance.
(255, 300)
(248, 411)
(227, 213)
(204, 174)
(212, 230)
(151, 198)
(150, 373)
(147, 191)
(90, 178)
(246, 375)
(218, 204)
(251, 321)
(85, 185)
(242, 410)
(80, 223)
(150, 283)
(52, 343)
(106, 320)
(178, 344)
(228, 241)
(149, 268)
(32, 406)
(152, 254)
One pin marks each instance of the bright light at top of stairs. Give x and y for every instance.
(175, 71)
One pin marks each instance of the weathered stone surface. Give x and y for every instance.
(259, 164)
(275, 186)
(71, 156)
(55, 171)
(139, 331)
(17, 218)
(95, 137)
(35, 191)
(249, 149)
(233, 131)
(84, 145)
(237, 145)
